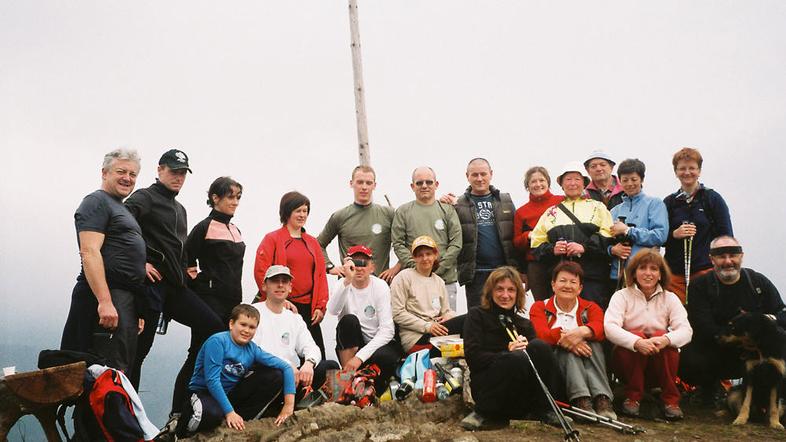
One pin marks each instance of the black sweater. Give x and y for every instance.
(219, 248)
(485, 338)
(712, 304)
(164, 227)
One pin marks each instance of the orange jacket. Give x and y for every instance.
(544, 313)
(273, 250)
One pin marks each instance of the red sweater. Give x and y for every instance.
(543, 321)
(526, 219)
(272, 250)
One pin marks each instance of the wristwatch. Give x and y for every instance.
(313, 362)
(329, 266)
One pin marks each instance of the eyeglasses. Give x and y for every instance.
(422, 182)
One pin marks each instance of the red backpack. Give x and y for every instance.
(113, 409)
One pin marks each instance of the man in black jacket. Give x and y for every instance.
(164, 227)
(486, 217)
(716, 298)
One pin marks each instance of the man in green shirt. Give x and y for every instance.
(427, 216)
(361, 223)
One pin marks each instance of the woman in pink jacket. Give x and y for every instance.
(647, 324)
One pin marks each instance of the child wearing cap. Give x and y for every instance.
(420, 300)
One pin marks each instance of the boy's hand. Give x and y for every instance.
(288, 410)
(235, 422)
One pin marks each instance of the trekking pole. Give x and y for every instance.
(264, 409)
(687, 247)
(570, 433)
(603, 420)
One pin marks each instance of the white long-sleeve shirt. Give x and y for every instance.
(371, 305)
(285, 335)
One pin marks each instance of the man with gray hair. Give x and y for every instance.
(427, 216)
(716, 298)
(103, 317)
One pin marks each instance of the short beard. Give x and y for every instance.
(728, 275)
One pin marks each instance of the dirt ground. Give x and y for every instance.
(414, 421)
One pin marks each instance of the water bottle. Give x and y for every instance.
(429, 386)
(451, 384)
(407, 386)
(163, 324)
(390, 392)
(442, 392)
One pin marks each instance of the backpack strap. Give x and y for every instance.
(575, 220)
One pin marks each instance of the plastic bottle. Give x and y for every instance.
(442, 392)
(390, 392)
(407, 386)
(429, 386)
(451, 383)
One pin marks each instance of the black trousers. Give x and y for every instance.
(82, 332)
(315, 330)
(186, 307)
(509, 389)
(705, 364)
(349, 335)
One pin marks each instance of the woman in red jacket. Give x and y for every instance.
(574, 327)
(537, 182)
(293, 247)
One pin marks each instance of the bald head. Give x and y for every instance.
(424, 184)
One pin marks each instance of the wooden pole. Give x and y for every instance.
(364, 155)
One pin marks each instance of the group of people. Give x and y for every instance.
(590, 259)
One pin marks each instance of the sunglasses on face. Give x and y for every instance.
(426, 182)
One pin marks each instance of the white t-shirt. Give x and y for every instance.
(371, 305)
(285, 335)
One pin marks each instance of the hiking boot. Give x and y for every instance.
(584, 403)
(167, 433)
(672, 412)
(476, 422)
(551, 418)
(631, 408)
(604, 408)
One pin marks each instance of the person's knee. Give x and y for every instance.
(348, 321)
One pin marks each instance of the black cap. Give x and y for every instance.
(175, 159)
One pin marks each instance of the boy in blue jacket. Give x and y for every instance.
(234, 378)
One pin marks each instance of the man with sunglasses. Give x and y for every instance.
(427, 216)
(365, 331)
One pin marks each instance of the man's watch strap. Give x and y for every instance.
(313, 361)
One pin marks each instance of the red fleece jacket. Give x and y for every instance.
(273, 250)
(543, 322)
(526, 218)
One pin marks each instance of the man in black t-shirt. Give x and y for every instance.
(716, 298)
(103, 316)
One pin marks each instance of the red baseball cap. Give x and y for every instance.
(360, 250)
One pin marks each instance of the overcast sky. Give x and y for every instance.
(262, 91)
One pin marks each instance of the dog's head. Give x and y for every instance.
(747, 329)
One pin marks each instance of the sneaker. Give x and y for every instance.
(631, 407)
(584, 403)
(673, 412)
(168, 431)
(604, 408)
(551, 418)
